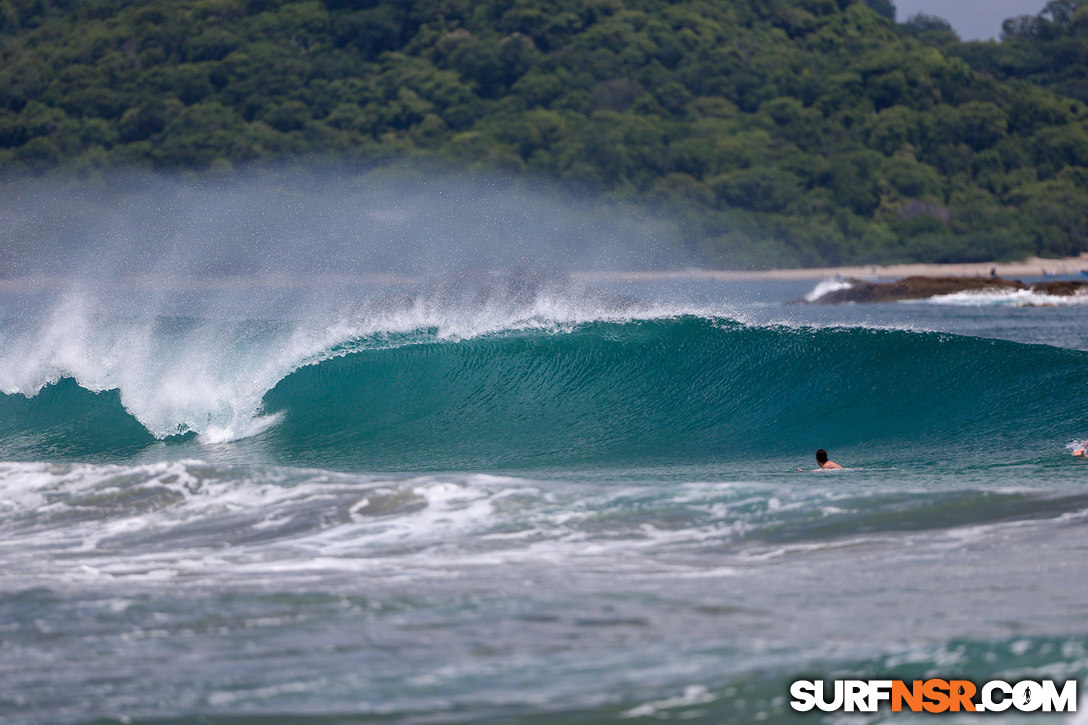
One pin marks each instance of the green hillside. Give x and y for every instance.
(779, 132)
(1049, 49)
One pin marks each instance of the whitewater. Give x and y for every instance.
(242, 484)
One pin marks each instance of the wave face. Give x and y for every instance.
(625, 392)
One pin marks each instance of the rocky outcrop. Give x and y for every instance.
(920, 288)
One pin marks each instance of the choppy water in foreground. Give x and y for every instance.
(528, 502)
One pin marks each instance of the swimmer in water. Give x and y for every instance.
(821, 458)
(1079, 452)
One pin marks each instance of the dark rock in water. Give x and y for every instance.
(920, 288)
(1065, 288)
(913, 288)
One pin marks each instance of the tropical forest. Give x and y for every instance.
(775, 132)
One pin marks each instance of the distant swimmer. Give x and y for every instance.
(1079, 452)
(821, 458)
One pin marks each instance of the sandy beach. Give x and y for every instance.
(1032, 267)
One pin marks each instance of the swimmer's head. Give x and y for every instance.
(821, 456)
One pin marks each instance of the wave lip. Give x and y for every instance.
(624, 392)
(207, 374)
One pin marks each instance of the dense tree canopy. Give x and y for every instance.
(778, 131)
(1049, 49)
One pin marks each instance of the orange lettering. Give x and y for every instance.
(935, 691)
(961, 692)
(913, 696)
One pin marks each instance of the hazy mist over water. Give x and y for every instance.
(192, 295)
(418, 222)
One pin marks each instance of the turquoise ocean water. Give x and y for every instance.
(511, 498)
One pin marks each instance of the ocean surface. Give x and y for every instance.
(518, 498)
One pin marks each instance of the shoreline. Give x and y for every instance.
(1032, 267)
